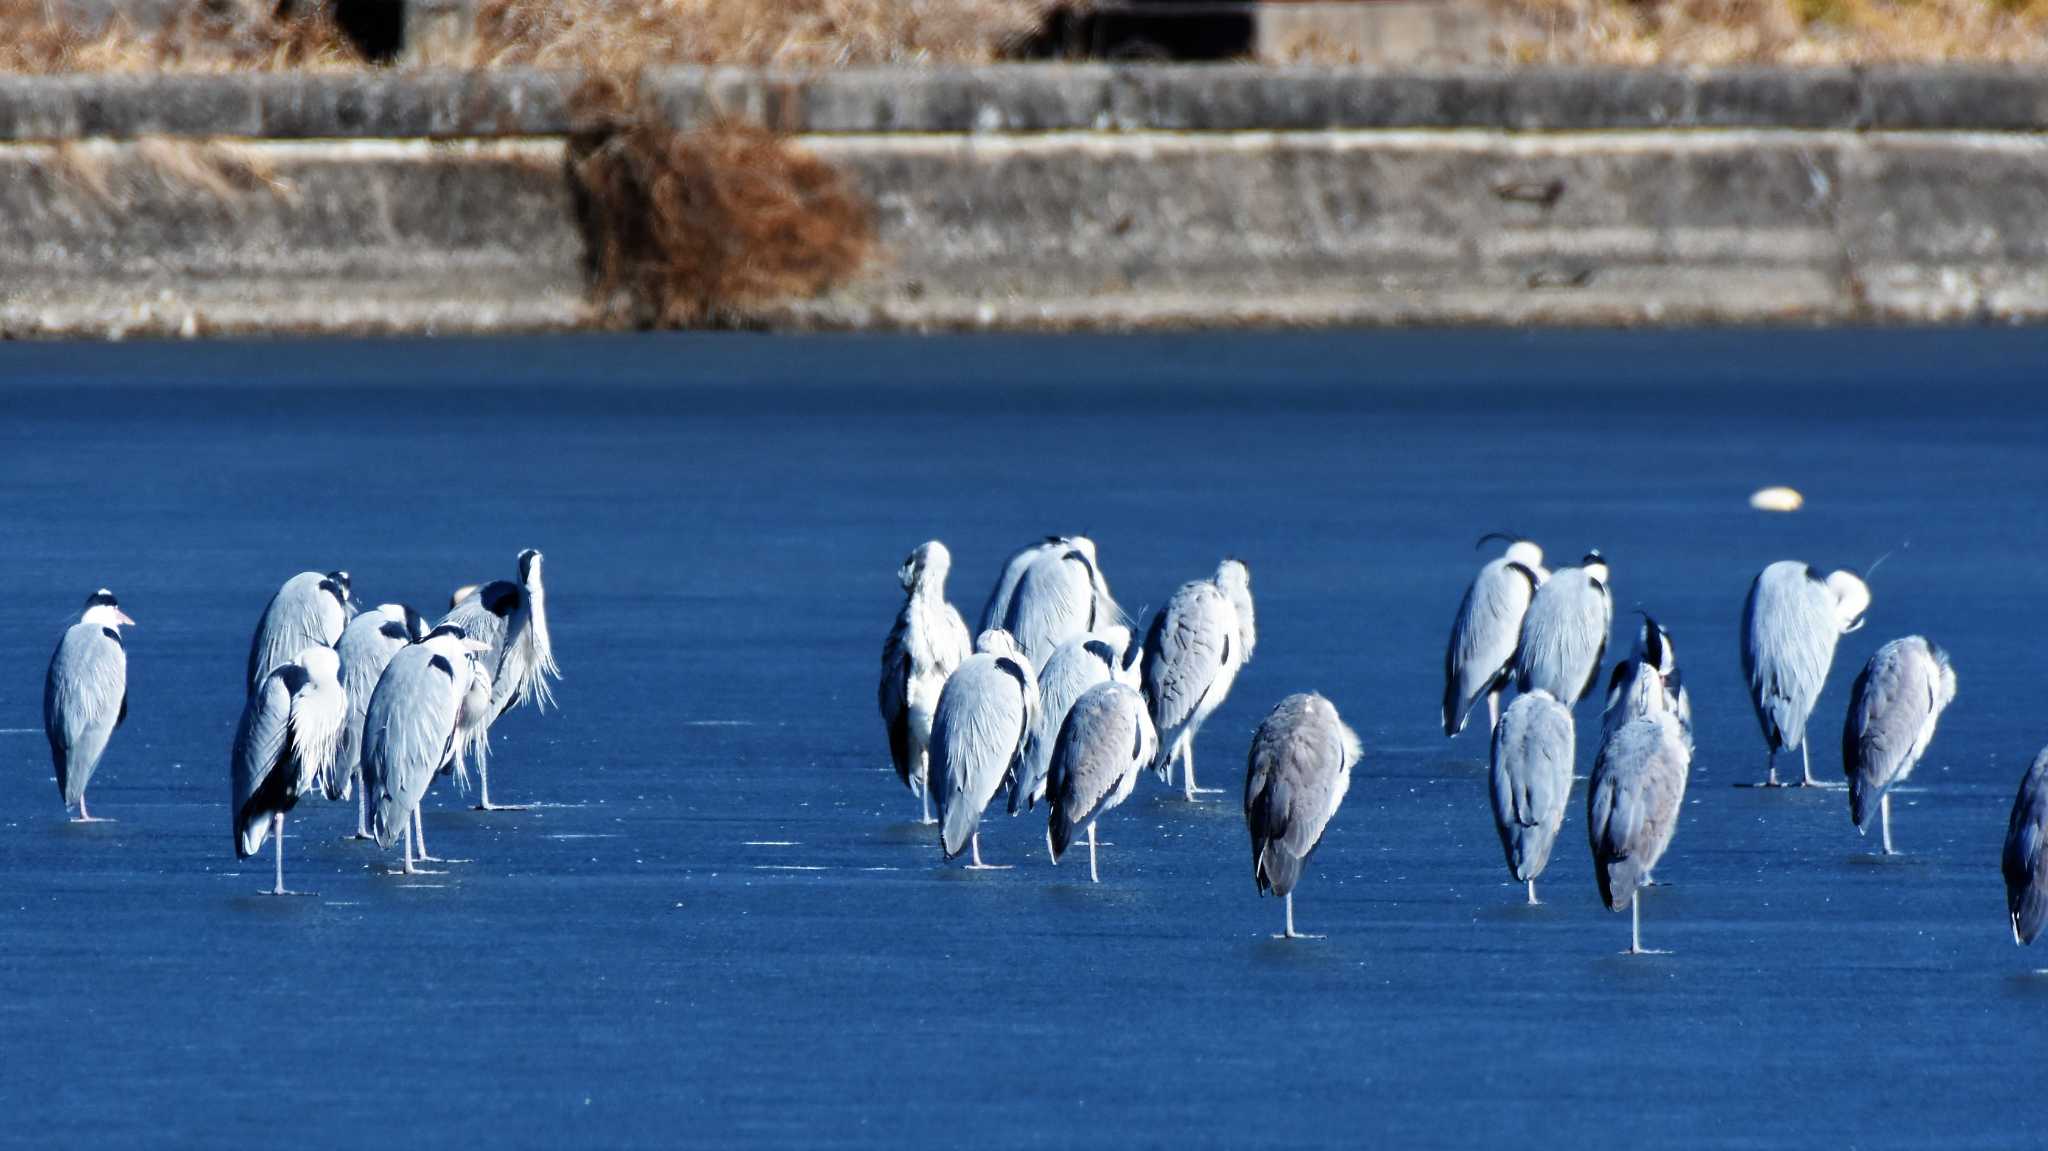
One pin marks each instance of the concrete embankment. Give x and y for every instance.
(1056, 196)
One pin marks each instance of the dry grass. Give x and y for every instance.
(204, 36)
(623, 36)
(700, 227)
(1810, 32)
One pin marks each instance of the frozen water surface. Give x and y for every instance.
(720, 927)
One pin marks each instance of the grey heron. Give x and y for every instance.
(1197, 644)
(1105, 741)
(1530, 780)
(1632, 805)
(285, 748)
(1564, 634)
(366, 646)
(1075, 666)
(511, 620)
(1487, 630)
(1295, 778)
(1893, 707)
(310, 610)
(1060, 594)
(411, 728)
(928, 640)
(2025, 861)
(985, 710)
(1790, 624)
(1647, 681)
(85, 696)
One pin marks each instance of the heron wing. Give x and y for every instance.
(1184, 653)
(1484, 636)
(1564, 635)
(261, 759)
(1892, 708)
(304, 613)
(1054, 601)
(977, 734)
(1072, 670)
(319, 715)
(1788, 642)
(1301, 753)
(997, 611)
(408, 734)
(1632, 803)
(2025, 861)
(1098, 746)
(84, 695)
(894, 693)
(365, 649)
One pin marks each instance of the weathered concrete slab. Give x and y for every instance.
(1037, 98)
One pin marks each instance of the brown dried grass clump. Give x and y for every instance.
(695, 228)
(1811, 32)
(205, 36)
(626, 36)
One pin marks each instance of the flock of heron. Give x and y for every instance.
(341, 701)
(1052, 701)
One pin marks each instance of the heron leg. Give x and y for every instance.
(1092, 877)
(1189, 790)
(1533, 901)
(978, 865)
(483, 775)
(362, 812)
(1291, 933)
(85, 816)
(1492, 710)
(1635, 926)
(924, 799)
(1806, 767)
(1884, 814)
(1772, 781)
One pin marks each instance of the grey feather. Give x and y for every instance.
(1295, 778)
(1076, 666)
(1564, 635)
(1530, 780)
(1484, 636)
(1893, 708)
(926, 643)
(1193, 652)
(1105, 741)
(1789, 632)
(310, 610)
(285, 744)
(978, 731)
(1632, 803)
(409, 730)
(1054, 602)
(84, 696)
(365, 648)
(2025, 860)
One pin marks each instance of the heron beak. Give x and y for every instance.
(123, 617)
(475, 646)
(1854, 627)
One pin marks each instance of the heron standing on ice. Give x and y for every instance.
(85, 696)
(1564, 634)
(366, 647)
(1531, 778)
(1106, 740)
(1193, 652)
(928, 641)
(511, 620)
(984, 713)
(1647, 681)
(1632, 804)
(1295, 779)
(2025, 862)
(1488, 629)
(1893, 708)
(1075, 666)
(285, 748)
(411, 729)
(310, 610)
(1790, 624)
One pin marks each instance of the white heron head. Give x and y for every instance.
(103, 609)
(996, 641)
(1234, 579)
(1653, 646)
(1527, 554)
(321, 663)
(1852, 599)
(927, 566)
(1594, 565)
(456, 597)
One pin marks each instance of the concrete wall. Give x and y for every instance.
(1059, 196)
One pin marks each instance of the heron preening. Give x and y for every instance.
(1487, 630)
(411, 728)
(1564, 633)
(2025, 861)
(310, 610)
(1075, 666)
(1105, 741)
(1295, 779)
(1530, 781)
(285, 747)
(1197, 644)
(511, 621)
(1790, 624)
(928, 641)
(985, 710)
(85, 696)
(1058, 593)
(1632, 805)
(1893, 707)
(366, 647)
